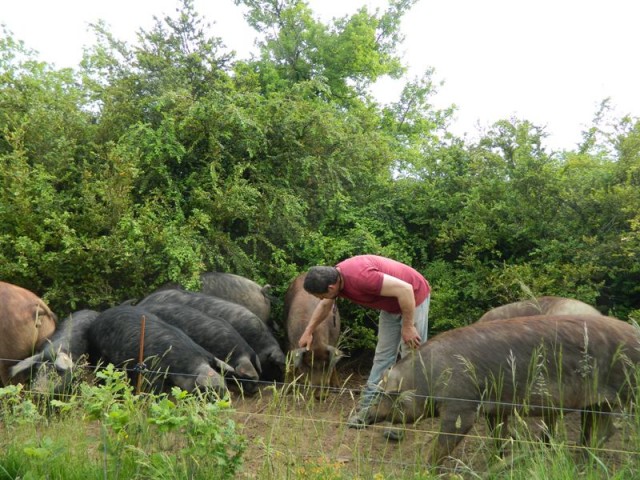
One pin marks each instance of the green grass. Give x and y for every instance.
(105, 431)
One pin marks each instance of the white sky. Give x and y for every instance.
(550, 61)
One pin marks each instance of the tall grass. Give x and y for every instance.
(105, 431)
(306, 439)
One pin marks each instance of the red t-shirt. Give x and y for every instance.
(363, 275)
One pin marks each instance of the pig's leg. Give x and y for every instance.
(454, 424)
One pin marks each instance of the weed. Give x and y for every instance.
(180, 435)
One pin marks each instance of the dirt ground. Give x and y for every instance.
(292, 435)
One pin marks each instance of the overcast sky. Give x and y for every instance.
(550, 61)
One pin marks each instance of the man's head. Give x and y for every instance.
(322, 280)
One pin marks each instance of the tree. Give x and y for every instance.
(343, 59)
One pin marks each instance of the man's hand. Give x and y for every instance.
(305, 340)
(317, 317)
(411, 337)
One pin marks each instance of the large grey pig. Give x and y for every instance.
(318, 363)
(548, 305)
(215, 335)
(240, 290)
(62, 350)
(249, 326)
(25, 322)
(170, 355)
(559, 362)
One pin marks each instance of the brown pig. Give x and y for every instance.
(318, 363)
(25, 322)
(536, 365)
(540, 306)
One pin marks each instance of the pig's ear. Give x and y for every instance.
(25, 364)
(334, 355)
(297, 356)
(63, 362)
(224, 366)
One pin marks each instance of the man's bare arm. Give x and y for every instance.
(403, 291)
(319, 314)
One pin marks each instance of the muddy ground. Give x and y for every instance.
(292, 435)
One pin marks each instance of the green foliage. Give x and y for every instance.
(156, 161)
(514, 221)
(146, 436)
(343, 59)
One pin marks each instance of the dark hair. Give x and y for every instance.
(319, 278)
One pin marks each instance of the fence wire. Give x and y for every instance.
(298, 385)
(144, 370)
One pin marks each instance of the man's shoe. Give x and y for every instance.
(393, 434)
(358, 419)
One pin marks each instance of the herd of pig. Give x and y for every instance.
(538, 357)
(213, 339)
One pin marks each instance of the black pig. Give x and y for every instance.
(170, 355)
(215, 335)
(63, 349)
(240, 290)
(250, 327)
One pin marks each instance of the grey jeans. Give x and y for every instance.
(389, 345)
